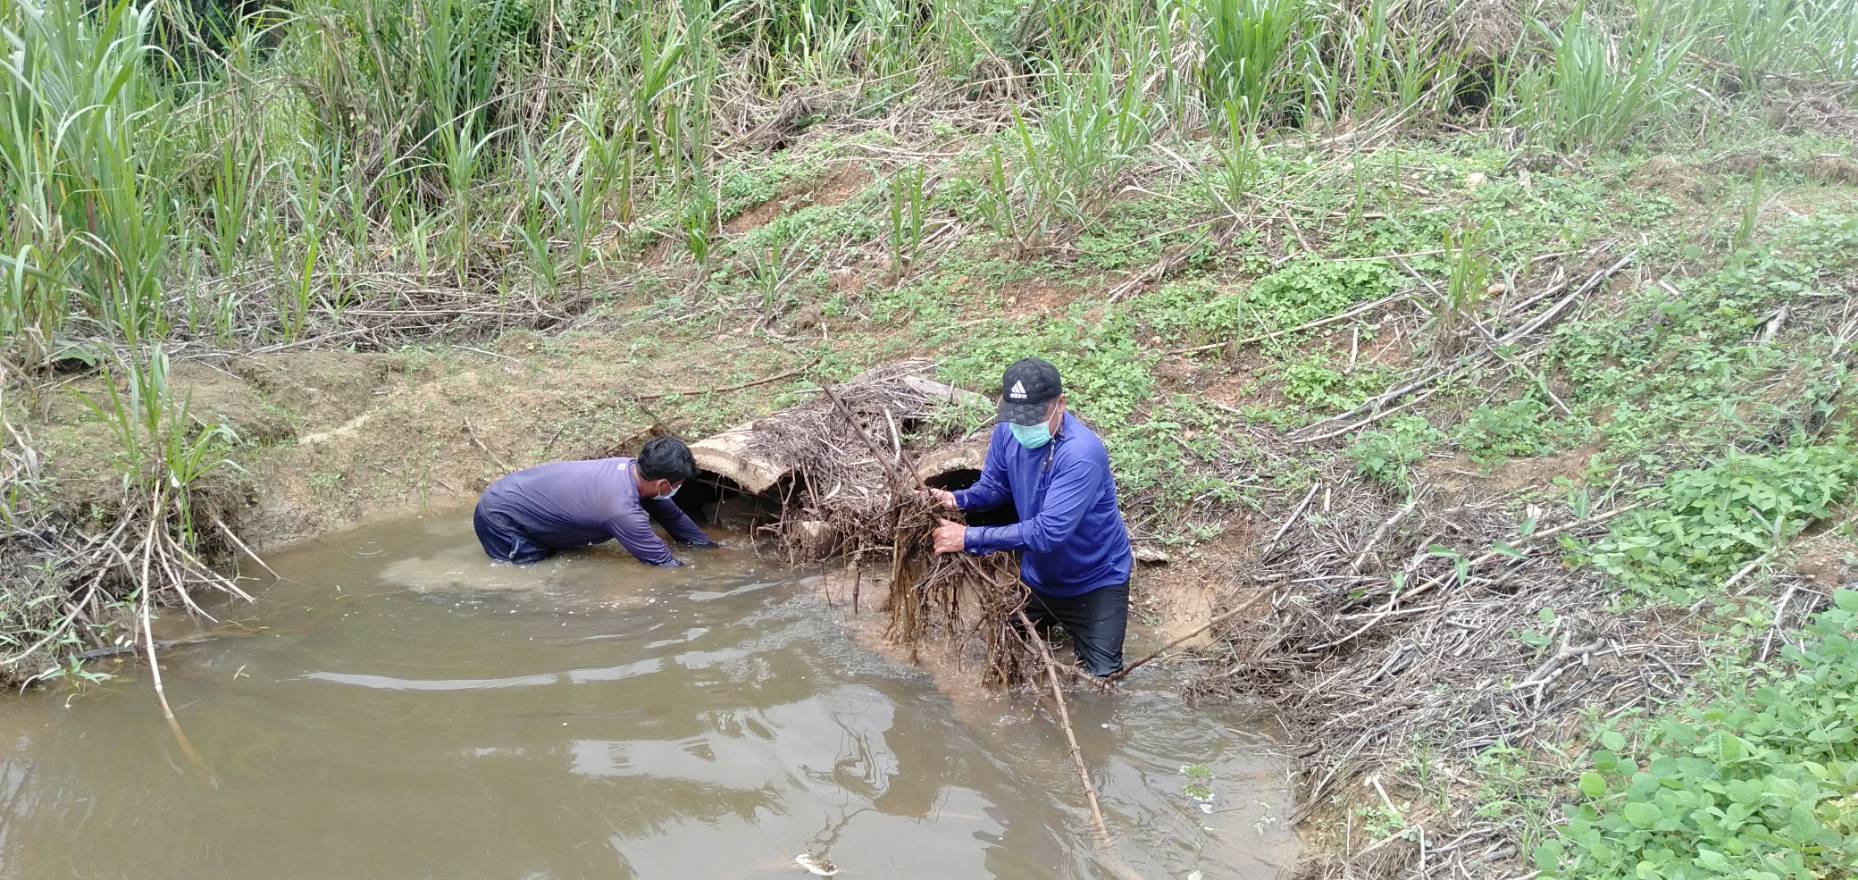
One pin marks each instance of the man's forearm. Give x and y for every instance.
(980, 498)
(982, 540)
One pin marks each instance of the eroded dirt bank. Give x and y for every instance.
(330, 438)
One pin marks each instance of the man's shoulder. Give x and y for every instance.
(583, 465)
(1083, 441)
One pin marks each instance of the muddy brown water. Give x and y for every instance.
(403, 709)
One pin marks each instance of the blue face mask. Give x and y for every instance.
(1032, 436)
(673, 493)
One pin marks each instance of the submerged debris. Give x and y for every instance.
(818, 866)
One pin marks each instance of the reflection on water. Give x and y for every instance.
(408, 710)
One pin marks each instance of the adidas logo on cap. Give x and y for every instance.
(1018, 390)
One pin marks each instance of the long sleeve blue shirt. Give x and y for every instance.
(577, 503)
(1070, 532)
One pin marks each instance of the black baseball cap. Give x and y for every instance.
(1027, 391)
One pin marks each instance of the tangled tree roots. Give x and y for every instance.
(956, 597)
(857, 495)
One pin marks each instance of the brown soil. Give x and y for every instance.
(1830, 556)
(841, 185)
(1227, 381)
(1460, 477)
(1040, 296)
(836, 188)
(1173, 599)
(755, 218)
(329, 437)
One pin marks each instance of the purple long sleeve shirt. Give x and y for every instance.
(1070, 532)
(577, 503)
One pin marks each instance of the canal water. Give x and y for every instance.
(398, 707)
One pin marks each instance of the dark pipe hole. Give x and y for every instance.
(963, 478)
(1473, 91)
(717, 501)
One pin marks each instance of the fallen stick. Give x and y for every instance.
(1104, 843)
(1255, 599)
(241, 545)
(1064, 721)
(1319, 322)
(1373, 407)
(1367, 547)
(738, 387)
(1288, 522)
(1371, 419)
(472, 432)
(1433, 583)
(148, 636)
(1592, 282)
(108, 652)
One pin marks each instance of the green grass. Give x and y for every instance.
(336, 172)
(163, 450)
(155, 171)
(1756, 776)
(1667, 377)
(1387, 455)
(1704, 525)
(1521, 428)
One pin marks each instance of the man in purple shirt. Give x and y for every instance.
(1073, 549)
(528, 515)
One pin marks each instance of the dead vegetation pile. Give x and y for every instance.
(1427, 644)
(857, 495)
(1395, 629)
(73, 590)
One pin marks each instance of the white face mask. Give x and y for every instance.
(673, 493)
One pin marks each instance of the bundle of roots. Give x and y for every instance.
(849, 453)
(857, 495)
(956, 598)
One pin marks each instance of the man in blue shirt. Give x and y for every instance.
(1074, 550)
(528, 515)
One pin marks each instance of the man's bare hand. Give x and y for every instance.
(940, 497)
(951, 537)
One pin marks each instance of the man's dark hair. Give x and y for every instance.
(667, 458)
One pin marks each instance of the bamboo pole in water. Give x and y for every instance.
(1064, 721)
(1104, 843)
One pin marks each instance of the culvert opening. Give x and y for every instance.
(1473, 91)
(962, 478)
(717, 501)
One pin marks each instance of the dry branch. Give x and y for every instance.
(1376, 409)
(1064, 721)
(727, 388)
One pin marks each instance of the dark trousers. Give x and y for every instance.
(1096, 621)
(503, 541)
